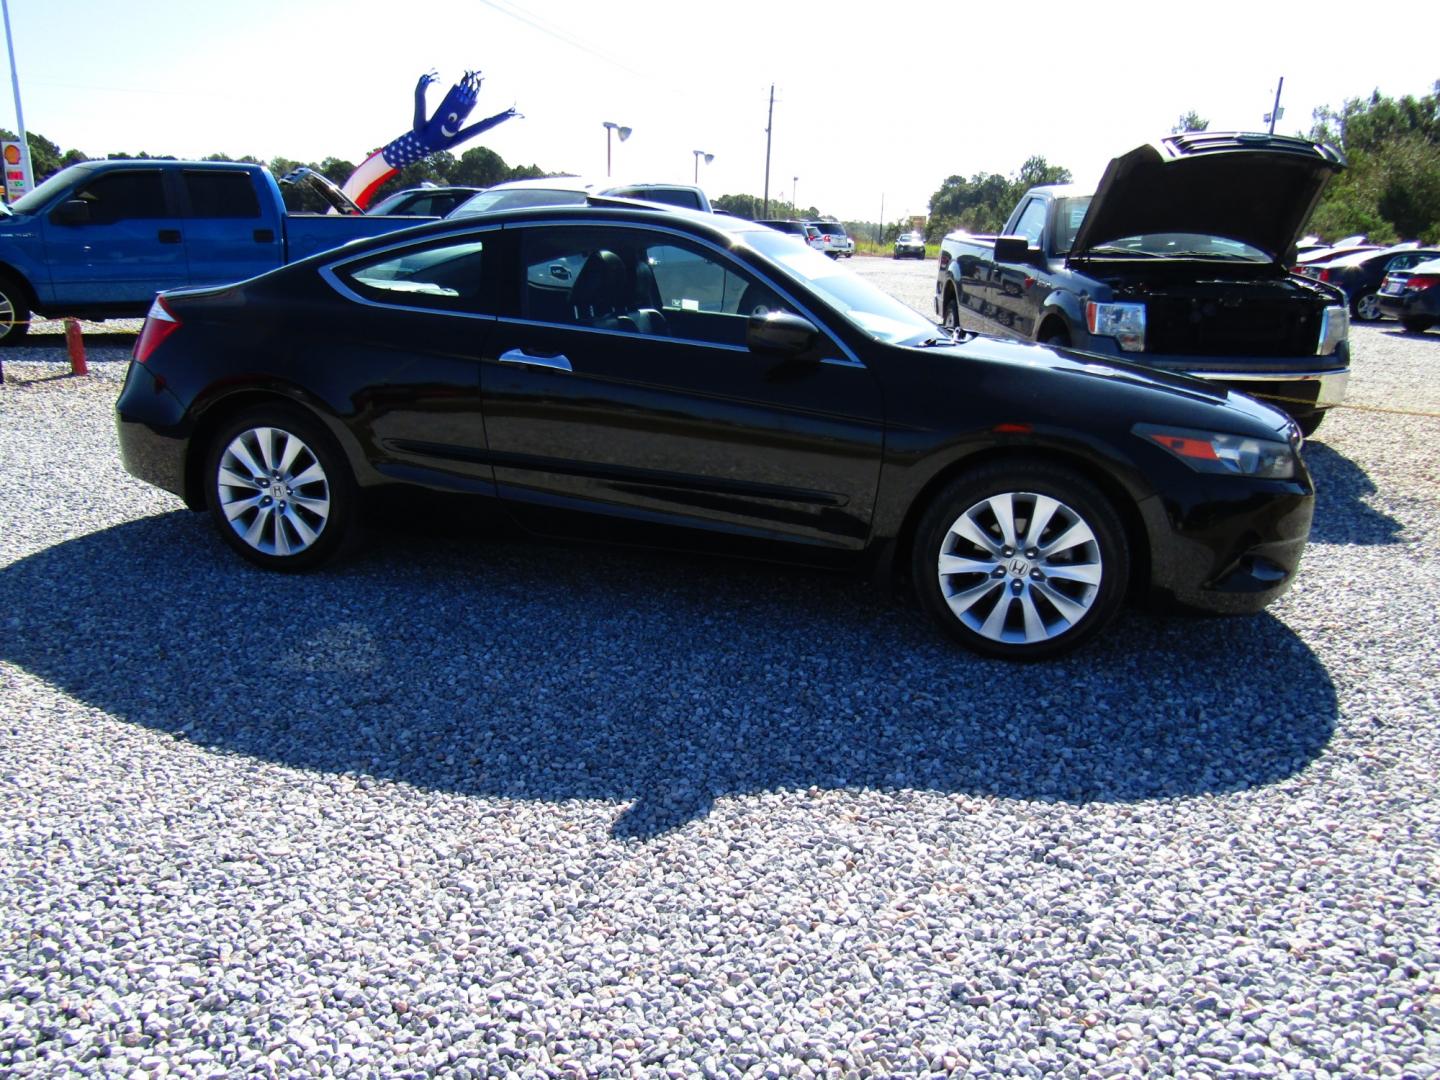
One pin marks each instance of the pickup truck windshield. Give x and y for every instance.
(1179, 245)
(875, 312)
(1069, 213)
(41, 195)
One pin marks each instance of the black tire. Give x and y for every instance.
(1366, 308)
(1028, 604)
(896, 256)
(297, 519)
(1057, 336)
(14, 311)
(1310, 423)
(1415, 325)
(950, 311)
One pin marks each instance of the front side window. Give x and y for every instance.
(638, 281)
(1032, 222)
(120, 196)
(445, 276)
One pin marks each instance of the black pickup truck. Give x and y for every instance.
(1179, 261)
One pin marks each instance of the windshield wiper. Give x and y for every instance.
(1112, 249)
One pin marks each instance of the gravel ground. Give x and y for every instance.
(469, 806)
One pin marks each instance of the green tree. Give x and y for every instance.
(1190, 121)
(1392, 186)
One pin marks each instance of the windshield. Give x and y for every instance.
(875, 312)
(1189, 245)
(516, 198)
(43, 194)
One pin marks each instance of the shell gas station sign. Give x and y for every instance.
(15, 184)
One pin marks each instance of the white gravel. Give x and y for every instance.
(467, 806)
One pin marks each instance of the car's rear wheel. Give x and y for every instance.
(1414, 325)
(1367, 308)
(279, 490)
(1021, 561)
(14, 311)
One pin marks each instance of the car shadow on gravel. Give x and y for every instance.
(525, 670)
(1343, 514)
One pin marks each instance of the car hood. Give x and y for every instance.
(1247, 415)
(1257, 189)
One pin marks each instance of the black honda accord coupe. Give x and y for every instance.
(687, 379)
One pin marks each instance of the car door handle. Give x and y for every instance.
(169, 236)
(556, 361)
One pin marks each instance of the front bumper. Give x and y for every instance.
(1228, 546)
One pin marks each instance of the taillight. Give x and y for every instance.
(160, 323)
(1324, 275)
(1423, 281)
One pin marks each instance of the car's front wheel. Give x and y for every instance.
(279, 489)
(1021, 561)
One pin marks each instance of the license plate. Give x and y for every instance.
(1393, 288)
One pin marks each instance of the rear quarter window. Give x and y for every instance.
(216, 194)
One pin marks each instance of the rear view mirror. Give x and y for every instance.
(780, 332)
(71, 212)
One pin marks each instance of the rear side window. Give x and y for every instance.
(119, 196)
(445, 276)
(217, 194)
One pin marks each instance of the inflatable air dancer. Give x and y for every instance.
(441, 132)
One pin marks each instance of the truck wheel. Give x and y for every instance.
(1057, 336)
(280, 491)
(1311, 423)
(1367, 308)
(14, 315)
(950, 312)
(1021, 560)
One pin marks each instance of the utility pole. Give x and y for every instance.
(769, 123)
(880, 227)
(19, 115)
(1275, 111)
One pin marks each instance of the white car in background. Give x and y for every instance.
(834, 240)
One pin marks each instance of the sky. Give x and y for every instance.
(875, 104)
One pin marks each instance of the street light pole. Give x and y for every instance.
(19, 114)
(794, 187)
(623, 132)
(698, 155)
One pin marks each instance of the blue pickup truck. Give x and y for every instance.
(101, 238)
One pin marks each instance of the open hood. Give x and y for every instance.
(326, 188)
(1255, 188)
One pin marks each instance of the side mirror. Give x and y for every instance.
(71, 212)
(780, 332)
(1017, 249)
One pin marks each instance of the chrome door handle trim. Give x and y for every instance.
(558, 361)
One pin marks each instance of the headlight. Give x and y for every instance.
(1124, 322)
(1217, 452)
(1334, 328)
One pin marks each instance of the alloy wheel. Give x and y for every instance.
(1020, 568)
(273, 491)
